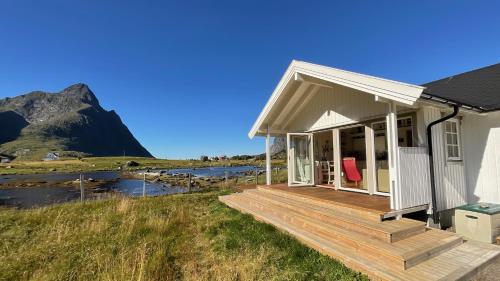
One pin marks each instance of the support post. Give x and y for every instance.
(268, 158)
(337, 162)
(371, 170)
(392, 145)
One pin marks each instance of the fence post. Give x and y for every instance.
(189, 182)
(82, 195)
(226, 176)
(256, 176)
(144, 186)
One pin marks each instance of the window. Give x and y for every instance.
(452, 139)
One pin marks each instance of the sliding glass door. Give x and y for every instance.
(300, 159)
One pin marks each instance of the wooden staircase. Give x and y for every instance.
(387, 250)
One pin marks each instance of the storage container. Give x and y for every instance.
(480, 222)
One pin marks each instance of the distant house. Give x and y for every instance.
(51, 156)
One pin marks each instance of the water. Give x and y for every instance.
(112, 175)
(27, 197)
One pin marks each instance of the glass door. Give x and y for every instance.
(381, 157)
(300, 159)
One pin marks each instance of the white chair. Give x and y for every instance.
(331, 172)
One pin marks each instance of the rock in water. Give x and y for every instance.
(69, 121)
(132, 164)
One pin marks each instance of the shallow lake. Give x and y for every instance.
(27, 197)
(111, 175)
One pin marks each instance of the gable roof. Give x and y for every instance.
(478, 88)
(299, 70)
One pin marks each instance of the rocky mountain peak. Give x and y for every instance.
(39, 106)
(69, 120)
(82, 92)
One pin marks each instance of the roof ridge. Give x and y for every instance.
(361, 74)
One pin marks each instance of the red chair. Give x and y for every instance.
(350, 169)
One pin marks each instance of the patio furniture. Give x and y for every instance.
(331, 172)
(350, 169)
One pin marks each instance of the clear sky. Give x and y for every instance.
(190, 78)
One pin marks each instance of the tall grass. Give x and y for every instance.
(190, 237)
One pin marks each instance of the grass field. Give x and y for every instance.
(189, 237)
(112, 163)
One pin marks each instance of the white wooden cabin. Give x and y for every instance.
(331, 116)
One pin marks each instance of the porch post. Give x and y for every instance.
(370, 160)
(392, 145)
(337, 162)
(268, 159)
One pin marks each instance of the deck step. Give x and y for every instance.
(458, 263)
(402, 254)
(388, 231)
(340, 207)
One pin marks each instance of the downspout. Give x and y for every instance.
(435, 215)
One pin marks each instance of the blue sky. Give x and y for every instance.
(189, 78)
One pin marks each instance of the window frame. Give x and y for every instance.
(458, 145)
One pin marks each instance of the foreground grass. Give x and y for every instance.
(112, 163)
(191, 237)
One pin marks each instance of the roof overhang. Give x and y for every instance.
(313, 74)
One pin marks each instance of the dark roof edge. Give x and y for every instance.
(448, 101)
(459, 74)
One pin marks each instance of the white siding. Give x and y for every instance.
(414, 177)
(481, 143)
(335, 107)
(451, 189)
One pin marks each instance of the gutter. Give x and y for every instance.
(435, 214)
(427, 96)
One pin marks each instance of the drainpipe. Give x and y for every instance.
(435, 215)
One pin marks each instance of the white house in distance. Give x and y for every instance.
(383, 133)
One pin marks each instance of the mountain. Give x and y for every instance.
(71, 122)
(278, 149)
(279, 145)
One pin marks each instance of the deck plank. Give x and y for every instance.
(390, 230)
(371, 205)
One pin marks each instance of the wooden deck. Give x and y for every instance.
(374, 204)
(348, 226)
